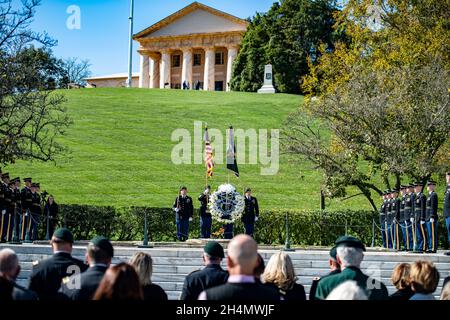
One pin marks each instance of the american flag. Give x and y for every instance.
(208, 155)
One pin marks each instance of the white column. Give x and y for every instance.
(144, 72)
(154, 73)
(208, 77)
(186, 70)
(232, 53)
(164, 70)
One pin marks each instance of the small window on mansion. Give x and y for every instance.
(219, 58)
(197, 59)
(176, 60)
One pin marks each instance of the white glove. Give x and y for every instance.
(422, 222)
(256, 219)
(3, 211)
(176, 209)
(431, 220)
(190, 219)
(412, 220)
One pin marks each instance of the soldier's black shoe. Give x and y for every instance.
(447, 253)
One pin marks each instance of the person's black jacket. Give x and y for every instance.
(402, 295)
(21, 294)
(89, 281)
(153, 292)
(46, 276)
(51, 209)
(296, 293)
(231, 291)
(198, 281)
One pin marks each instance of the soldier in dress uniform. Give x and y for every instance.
(36, 212)
(251, 212)
(382, 220)
(184, 210)
(6, 208)
(419, 218)
(11, 211)
(335, 268)
(26, 200)
(17, 209)
(403, 218)
(46, 275)
(389, 219)
(431, 218)
(409, 217)
(395, 211)
(205, 214)
(211, 275)
(446, 207)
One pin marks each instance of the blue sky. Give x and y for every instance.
(103, 34)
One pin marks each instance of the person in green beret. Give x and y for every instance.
(335, 268)
(47, 274)
(349, 255)
(99, 254)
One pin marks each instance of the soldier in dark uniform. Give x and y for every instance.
(419, 218)
(409, 217)
(335, 268)
(211, 275)
(99, 255)
(395, 211)
(17, 209)
(6, 208)
(251, 212)
(205, 214)
(431, 218)
(184, 210)
(389, 219)
(26, 200)
(47, 274)
(383, 221)
(11, 211)
(404, 218)
(36, 212)
(375, 290)
(446, 208)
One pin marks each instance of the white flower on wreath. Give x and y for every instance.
(226, 205)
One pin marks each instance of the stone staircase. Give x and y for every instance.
(171, 265)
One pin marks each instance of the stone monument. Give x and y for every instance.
(268, 84)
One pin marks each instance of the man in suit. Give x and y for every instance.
(10, 269)
(446, 208)
(431, 218)
(184, 210)
(46, 275)
(251, 212)
(205, 214)
(350, 254)
(335, 268)
(211, 275)
(241, 285)
(99, 254)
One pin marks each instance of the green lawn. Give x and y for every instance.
(120, 149)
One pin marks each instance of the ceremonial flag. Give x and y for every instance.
(231, 155)
(209, 161)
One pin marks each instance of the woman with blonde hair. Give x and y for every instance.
(280, 273)
(143, 264)
(424, 279)
(400, 279)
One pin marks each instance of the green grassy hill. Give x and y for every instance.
(120, 149)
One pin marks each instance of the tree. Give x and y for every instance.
(75, 71)
(379, 105)
(31, 114)
(285, 36)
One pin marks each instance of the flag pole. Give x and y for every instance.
(130, 46)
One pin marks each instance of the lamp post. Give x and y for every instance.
(287, 244)
(145, 242)
(130, 47)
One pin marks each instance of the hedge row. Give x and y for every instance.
(306, 227)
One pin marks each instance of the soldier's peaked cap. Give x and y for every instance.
(104, 244)
(27, 180)
(431, 182)
(214, 249)
(248, 190)
(404, 186)
(183, 188)
(349, 241)
(5, 175)
(63, 234)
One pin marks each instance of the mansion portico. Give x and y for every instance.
(194, 47)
